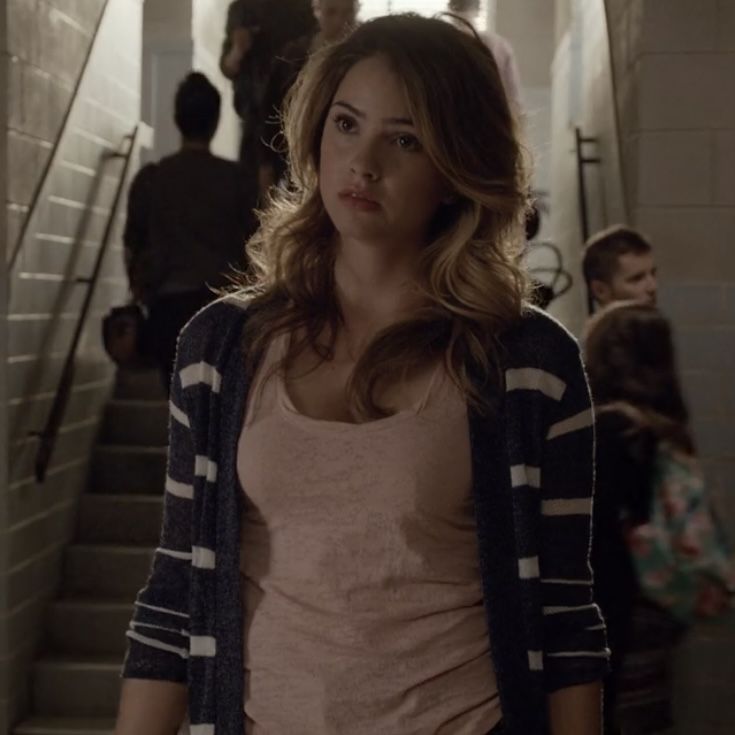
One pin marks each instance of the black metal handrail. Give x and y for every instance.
(50, 433)
(582, 161)
(38, 191)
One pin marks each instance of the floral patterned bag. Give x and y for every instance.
(680, 554)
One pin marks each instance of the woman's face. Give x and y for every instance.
(377, 183)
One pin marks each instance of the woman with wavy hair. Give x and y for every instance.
(377, 509)
(645, 451)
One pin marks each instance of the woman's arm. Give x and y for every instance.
(575, 649)
(576, 710)
(154, 695)
(150, 707)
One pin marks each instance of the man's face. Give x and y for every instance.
(634, 280)
(335, 17)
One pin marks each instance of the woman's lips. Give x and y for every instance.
(358, 201)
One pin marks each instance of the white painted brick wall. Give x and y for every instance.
(45, 45)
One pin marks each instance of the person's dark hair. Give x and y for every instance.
(197, 107)
(602, 250)
(631, 364)
(463, 6)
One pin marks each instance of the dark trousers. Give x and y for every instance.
(167, 315)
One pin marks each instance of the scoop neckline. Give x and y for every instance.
(291, 412)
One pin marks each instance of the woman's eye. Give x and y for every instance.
(344, 124)
(408, 142)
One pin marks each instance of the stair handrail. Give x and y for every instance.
(51, 160)
(48, 436)
(584, 221)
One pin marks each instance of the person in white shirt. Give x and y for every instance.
(468, 10)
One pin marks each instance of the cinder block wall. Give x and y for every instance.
(46, 43)
(675, 66)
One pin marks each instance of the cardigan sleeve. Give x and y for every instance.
(575, 647)
(158, 634)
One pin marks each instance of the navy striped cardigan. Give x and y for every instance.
(532, 484)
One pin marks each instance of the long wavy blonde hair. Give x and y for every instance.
(470, 275)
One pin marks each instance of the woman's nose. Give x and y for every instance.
(365, 163)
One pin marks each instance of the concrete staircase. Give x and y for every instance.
(77, 681)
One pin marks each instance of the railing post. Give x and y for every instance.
(582, 161)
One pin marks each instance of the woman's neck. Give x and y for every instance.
(375, 289)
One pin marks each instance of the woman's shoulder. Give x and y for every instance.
(538, 340)
(213, 327)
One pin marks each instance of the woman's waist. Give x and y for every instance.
(423, 671)
(370, 621)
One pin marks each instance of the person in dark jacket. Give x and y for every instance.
(256, 33)
(187, 224)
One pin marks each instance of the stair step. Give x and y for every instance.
(66, 726)
(119, 519)
(139, 385)
(116, 572)
(88, 627)
(78, 687)
(119, 469)
(137, 422)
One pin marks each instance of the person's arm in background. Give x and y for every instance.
(136, 237)
(239, 34)
(575, 656)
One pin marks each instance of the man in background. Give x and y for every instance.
(619, 265)
(188, 221)
(257, 32)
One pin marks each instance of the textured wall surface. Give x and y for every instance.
(673, 63)
(582, 97)
(47, 41)
(674, 66)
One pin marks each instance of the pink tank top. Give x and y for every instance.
(364, 608)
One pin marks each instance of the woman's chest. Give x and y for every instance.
(408, 463)
(322, 389)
